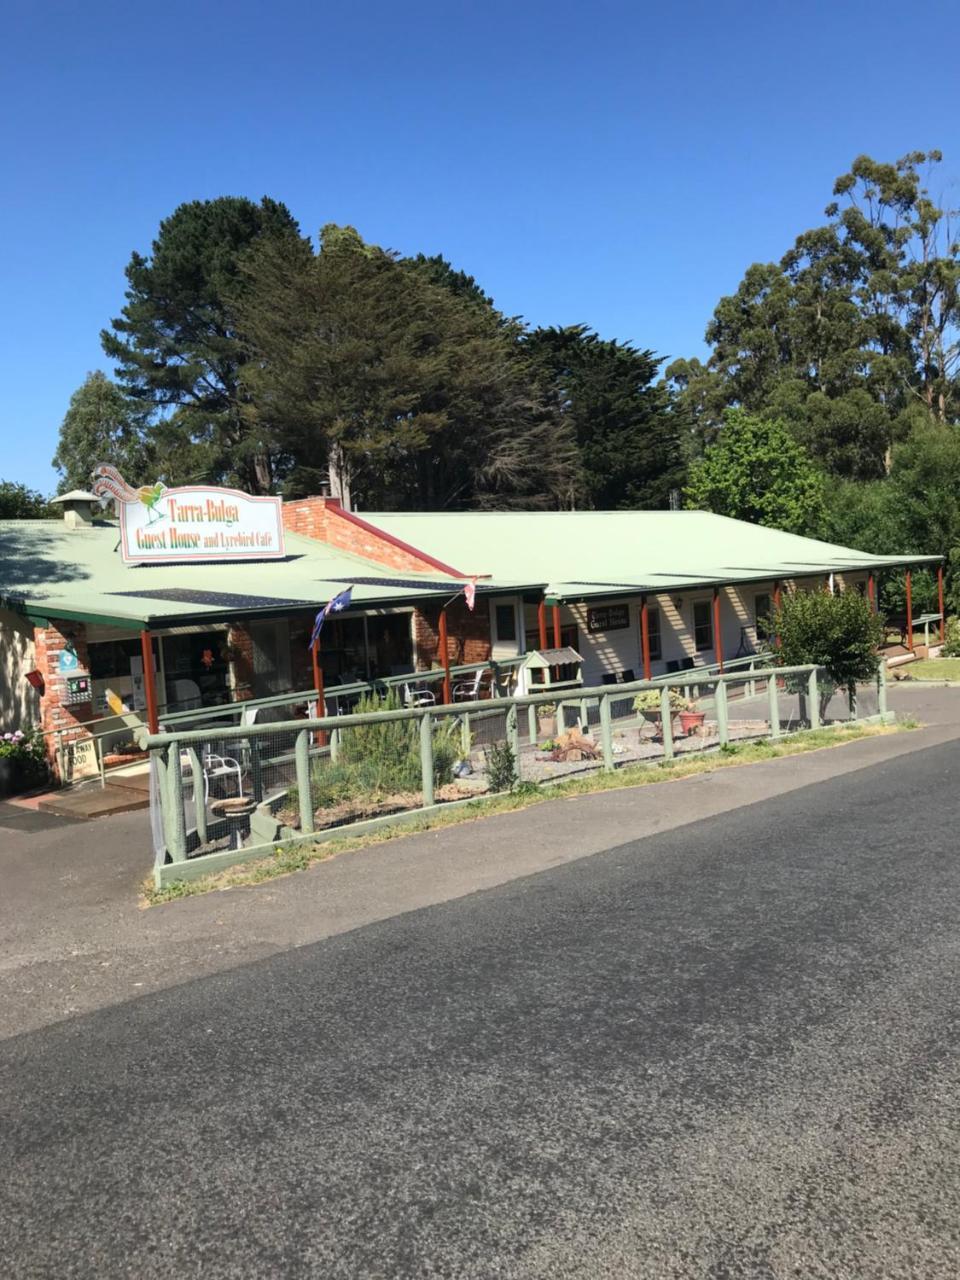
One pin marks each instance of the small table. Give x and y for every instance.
(236, 812)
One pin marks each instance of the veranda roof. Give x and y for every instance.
(48, 570)
(583, 554)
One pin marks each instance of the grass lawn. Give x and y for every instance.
(298, 857)
(933, 669)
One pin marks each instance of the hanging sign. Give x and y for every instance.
(193, 522)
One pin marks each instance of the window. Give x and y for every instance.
(506, 622)
(761, 616)
(703, 625)
(653, 632)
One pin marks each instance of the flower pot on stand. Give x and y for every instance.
(691, 721)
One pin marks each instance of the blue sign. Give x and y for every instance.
(68, 660)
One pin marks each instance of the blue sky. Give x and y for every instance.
(612, 163)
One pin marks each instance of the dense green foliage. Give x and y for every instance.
(17, 502)
(828, 402)
(102, 424)
(627, 440)
(177, 345)
(851, 337)
(756, 471)
(837, 632)
(377, 761)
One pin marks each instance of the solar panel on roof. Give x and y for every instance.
(417, 583)
(219, 599)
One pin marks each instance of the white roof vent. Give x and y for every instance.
(78, 507)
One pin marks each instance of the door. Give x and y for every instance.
(506, 631)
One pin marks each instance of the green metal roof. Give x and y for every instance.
(579, 554)
(48, 570)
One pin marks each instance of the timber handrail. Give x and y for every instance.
(488, 705)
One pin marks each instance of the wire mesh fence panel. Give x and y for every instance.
(747, 711)
(867, 699)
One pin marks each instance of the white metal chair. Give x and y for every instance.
(471, 690)
(212, 766)
(418, 696)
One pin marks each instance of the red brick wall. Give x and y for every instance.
(241, 661)
(49, 643)
(468, 634)
(325, 520)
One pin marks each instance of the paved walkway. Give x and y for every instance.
(73, 939)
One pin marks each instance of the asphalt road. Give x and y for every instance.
(727, 1050)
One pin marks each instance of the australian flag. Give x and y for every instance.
(339, 602)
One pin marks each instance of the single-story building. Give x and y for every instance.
(89, 605)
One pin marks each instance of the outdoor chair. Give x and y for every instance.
(212, 766)
(418, 696)
(472, 690)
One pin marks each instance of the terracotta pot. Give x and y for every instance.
(690, 720)
(547, 726)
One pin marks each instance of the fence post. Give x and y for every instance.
(334, 745)
(302, 760)
(256, 769)
(882, 688)
(513, 735)
(466, 741)
(606, 733)
(666, 722)
(177, 835)
(774, 705)
(199, 799)
(426, 758)
(532, 723)
(753, 682)
(813, 699)
(161, 793)
(584, 716)
(723, 732)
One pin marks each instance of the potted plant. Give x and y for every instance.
(648, 703)
(547, 719)
(691, 718)
(22, 762)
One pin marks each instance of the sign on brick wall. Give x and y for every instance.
(193, 522)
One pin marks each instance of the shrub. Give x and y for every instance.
(951, 645)
(26, 752)
(837, 632)
(379, 760)
(501, 767)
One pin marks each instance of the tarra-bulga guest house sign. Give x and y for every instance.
(193, 522)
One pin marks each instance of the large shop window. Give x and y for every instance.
(366, 648)
(196, 670)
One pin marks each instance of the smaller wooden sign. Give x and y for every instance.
(609, 617)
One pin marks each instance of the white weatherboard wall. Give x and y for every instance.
(615, 651)
(19, 702)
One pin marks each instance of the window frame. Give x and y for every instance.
(700, 626)
(655, 632)
(759, 630)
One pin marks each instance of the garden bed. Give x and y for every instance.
(359, 808)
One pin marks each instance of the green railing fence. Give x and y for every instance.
(226, 793)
